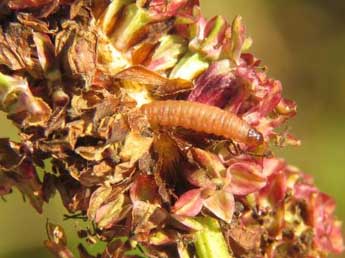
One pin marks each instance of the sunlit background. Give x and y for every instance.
(303, 44)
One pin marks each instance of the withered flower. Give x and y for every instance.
(75, 76)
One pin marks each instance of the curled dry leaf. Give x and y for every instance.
(107, 206)
(20, 104)
(72, 43)
(16, 51)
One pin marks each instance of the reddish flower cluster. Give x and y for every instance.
(73, 77)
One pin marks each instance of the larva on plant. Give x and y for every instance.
(201, 118)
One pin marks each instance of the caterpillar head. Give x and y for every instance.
(254, 137)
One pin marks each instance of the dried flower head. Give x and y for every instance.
(158, 125)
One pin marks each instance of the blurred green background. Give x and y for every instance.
(302, 42)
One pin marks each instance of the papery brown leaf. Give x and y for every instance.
(119, 130)
(74, 196)
(98, 197)
(98, 7)
(72, 43)
(107, 206)
(45, 51)
(108, 107)
(135, 147)
(16, 51)
(141, 75)
(56, 121)
(168, 155)
(86, 101)
(21, 105)
(9, 156)
(31, 21)
(93, 153)
(141, 219)
(75, 8)
(84, 44)
(102, 169)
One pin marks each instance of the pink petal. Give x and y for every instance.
(189, 203)
(272, 165)
(246, 178)
(161, 9)
(221, 204)
(275, 190)
(215, 86)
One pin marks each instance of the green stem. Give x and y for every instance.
(4, 81)
(210, 242)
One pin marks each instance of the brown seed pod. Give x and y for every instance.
(201, 118)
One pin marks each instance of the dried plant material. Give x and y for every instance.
(135, 147)
(247, 238)
(158, 129)
(155, 83)
(57, 241)
(16, 51)
(20, 104)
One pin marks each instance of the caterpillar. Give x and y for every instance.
(201, 118)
